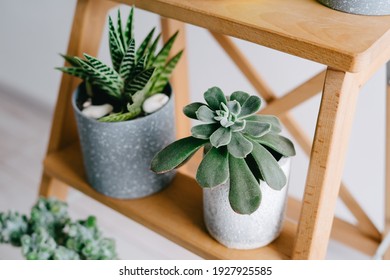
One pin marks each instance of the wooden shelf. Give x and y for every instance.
(175, 212)
(304, 28)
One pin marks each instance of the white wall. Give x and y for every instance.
(32, 33)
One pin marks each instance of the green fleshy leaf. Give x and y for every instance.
(117, 50)
(129, 30)
(152, 50)
(162, 56)
(139, 82)
(251, 106)
(205, 114)
(214, 168)
(221, 137)
(176, 153)
(190, 109)
(250, 161)
(214, 97)
(145, 44)
(278, 143)
(121, 117)
(276, 127)
(270, 170)
(165, 74)
(244, 193)
(74, 71)
(204, 131)
(240, 96)
(239, 146)
(256, 129)
(234, 107)
(238, 125)
(119, 30)
(72, 60)
(128, 61)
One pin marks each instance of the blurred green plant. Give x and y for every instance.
(50, 234)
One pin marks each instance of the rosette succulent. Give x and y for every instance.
(241, 147)
(135, 75)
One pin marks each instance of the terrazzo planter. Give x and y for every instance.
(245, 231)
(360, 7)
(117, 155)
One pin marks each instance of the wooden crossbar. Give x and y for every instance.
(364, 222)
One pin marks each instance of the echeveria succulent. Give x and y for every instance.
(12, 227)
(242, 147)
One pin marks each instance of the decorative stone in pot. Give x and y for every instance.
(117, 155)
(252, 231)
(360, 7)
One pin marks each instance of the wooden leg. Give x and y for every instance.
(51, 187)
(88, 24)
(387, 172)
(326, 164)
(179, 79)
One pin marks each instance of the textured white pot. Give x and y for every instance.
(360, 7)
(246, 231)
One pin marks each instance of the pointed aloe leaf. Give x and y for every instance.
(165, 74)
(139, 82)
(234, 107)
(214, 97)
(250, 106)
(129, 29)
(74, 71)
(116, 51)
(128, 61)
(152, 50)
(256, 129)
(204, 131)
(276, 127)
(239, 146)
(120, 31)
(214, 168)
(221, 137)
(121, 117)
(278, 143)
(238, 125)
(176, 153)
(103, 80)
(244, 192)
(102, 68)
(205, 114)
(161, 57)
(270, 170)
(141, 51)
(72, 60)
(190, 109)
(240, 96)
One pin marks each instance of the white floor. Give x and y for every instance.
(24, 129)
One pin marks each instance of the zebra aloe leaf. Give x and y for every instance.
(136, 73)
(244, 147)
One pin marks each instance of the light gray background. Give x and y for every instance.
(32, 33)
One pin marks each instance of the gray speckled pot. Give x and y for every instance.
(117, 155)
(360, 7)
(245, 231)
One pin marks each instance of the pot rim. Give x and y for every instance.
(134, 121)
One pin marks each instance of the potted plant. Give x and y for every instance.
(124, 113)
(244, 171)
(360, 7)
(50, 234)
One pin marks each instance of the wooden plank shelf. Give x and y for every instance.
(303, 28)
(176, 212)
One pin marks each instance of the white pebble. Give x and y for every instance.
(97, 111)
(87, 103)
(154, 102)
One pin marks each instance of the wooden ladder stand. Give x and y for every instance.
(353, 47)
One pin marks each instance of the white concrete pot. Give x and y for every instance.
(246, 231)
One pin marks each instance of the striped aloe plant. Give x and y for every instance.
(243, 147)
(136, 73)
